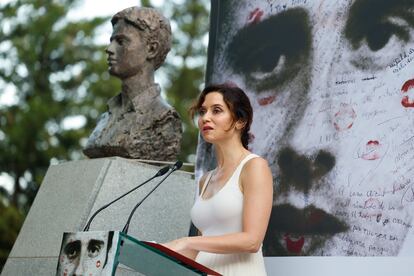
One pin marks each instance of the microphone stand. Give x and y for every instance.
(161, 172)
(175, 167)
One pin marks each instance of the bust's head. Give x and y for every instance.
(141, 38)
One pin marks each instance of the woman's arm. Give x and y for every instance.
(256, 181)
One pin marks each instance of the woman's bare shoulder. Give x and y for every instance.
(255, 163)
(256, 167)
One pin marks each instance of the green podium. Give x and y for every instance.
(100, 253)
(154, 259)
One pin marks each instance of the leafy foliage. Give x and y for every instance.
(58, 72)
(10, 223)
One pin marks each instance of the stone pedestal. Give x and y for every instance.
(72, 191)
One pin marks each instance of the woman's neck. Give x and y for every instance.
(229, 154)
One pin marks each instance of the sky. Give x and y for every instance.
(87, 9)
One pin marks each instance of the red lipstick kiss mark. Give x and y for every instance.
(344, 118)
(294, 246)
(372, 150)
(98, 264)
(371, 142)
(266, 100)
(406, 100)
(407, 85)
(255, 16)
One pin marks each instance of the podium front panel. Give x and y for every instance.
(147, 260)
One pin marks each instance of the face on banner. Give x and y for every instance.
(332, 87)
(85, 253)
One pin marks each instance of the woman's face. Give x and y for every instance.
(215, 119)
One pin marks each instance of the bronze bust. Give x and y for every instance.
(139, 123)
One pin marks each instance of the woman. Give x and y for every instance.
(233, 207)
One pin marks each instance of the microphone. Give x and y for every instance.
(161, 172)
(173, 168)
(177, 165)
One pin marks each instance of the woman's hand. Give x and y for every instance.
(182, 246)
(177, 245)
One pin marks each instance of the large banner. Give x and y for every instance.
(332, 87)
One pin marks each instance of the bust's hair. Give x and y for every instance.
(154, 26)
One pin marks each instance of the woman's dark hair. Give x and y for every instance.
(236, 100)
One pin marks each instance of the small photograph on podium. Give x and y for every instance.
(87, 253)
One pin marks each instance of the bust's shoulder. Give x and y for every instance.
(163, 109)
(161, 104)
(115, 101)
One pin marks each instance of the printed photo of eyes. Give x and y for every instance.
(269, 61)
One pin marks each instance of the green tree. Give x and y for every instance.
(58, 72)
(10, 223)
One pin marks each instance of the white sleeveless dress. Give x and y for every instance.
(222, 214)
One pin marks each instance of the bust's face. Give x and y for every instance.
(127, 51)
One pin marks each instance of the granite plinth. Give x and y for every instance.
(72, 191)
